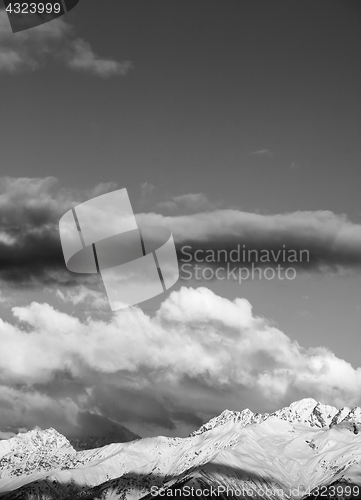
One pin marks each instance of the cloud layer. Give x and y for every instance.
(29, 50)
(30, 249)
(333, 242)
(197, 355)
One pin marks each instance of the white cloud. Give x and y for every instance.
(29, 49)
(193, 202)
(6, 239)
(262, 152)
(194, 334)
(83, 58)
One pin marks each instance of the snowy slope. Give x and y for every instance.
(285, 454)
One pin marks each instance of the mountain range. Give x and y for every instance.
(306, 450)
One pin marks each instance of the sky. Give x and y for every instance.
(229, 122)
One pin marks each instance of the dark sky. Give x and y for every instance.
(212, 83)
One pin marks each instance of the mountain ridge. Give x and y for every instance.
(306, 410)
(301, 447)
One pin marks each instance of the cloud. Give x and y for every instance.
(30, 49)
(5, 301)
(26, 408)
(83, 295)
(184, 203)
(10, 60)
(83, 58)
(30, 248)
(191, 202)
(27, 50)
(30, 209)
(262, 152)
(332, 241)
(199, 354)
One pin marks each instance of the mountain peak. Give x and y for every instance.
(308, 411)
(48, 437)
(243, 418)
(304, 403)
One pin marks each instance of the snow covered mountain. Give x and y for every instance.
(302, 450)
(307, 411)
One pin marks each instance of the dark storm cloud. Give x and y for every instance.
(30, 248)
(32, 258)
(98, 426)
(133, 405)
